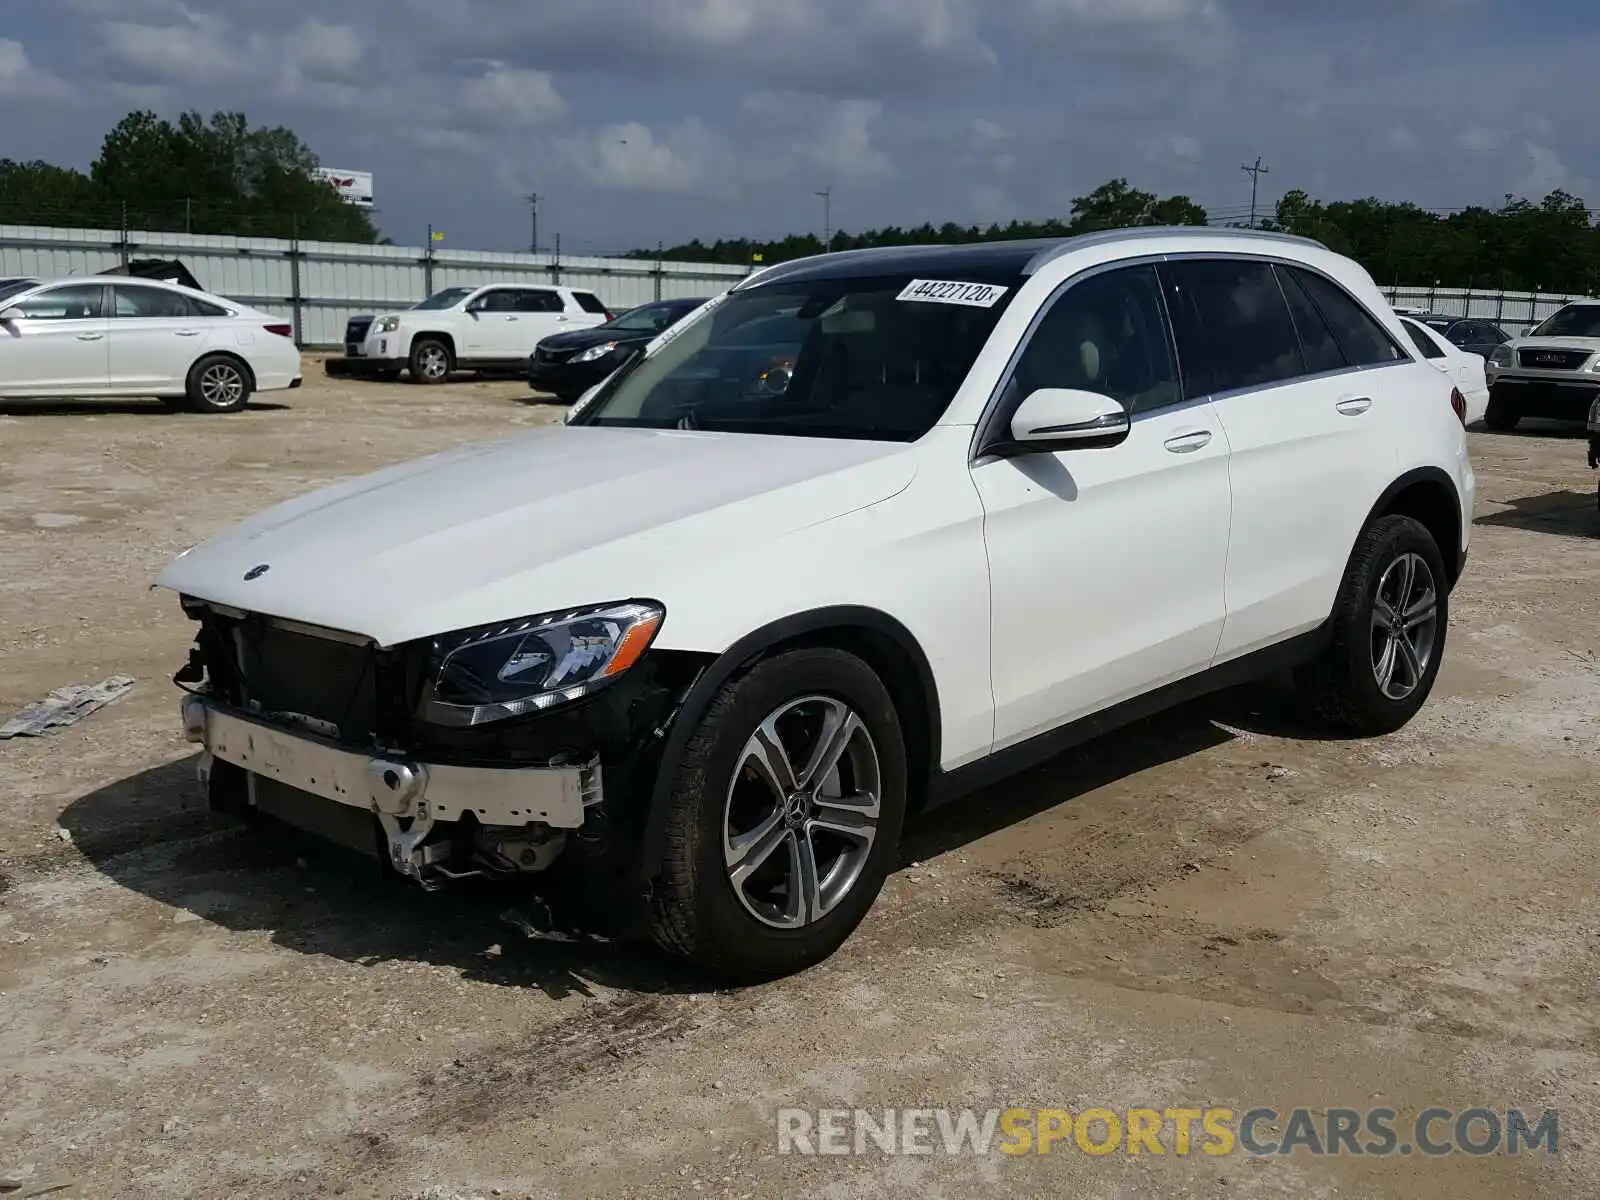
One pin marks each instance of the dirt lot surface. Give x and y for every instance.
(1212, 909)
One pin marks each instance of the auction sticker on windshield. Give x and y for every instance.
(947, 291)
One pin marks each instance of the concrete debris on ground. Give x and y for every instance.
(66, 706)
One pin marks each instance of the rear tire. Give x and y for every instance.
(217, 383)
(431, 361)
(759, 876)
(1389, 626)
(1500, 416)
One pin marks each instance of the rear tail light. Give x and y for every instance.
(280, 330)
(1459, 403)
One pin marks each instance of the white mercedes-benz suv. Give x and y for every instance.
(863, 534)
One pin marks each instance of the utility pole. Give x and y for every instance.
(1255, 173)
(827, 216)
(533, 211)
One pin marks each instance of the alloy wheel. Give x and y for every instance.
(1405, 625)
(802, 812)
(222, 385)
(434, 362)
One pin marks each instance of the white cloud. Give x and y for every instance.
(20, 78)
(509, 96)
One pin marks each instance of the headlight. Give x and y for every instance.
(536, 663)
(594, 352)
(386, 324)
(1500, 356)
(1595, 365)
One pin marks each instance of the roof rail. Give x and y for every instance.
(1105, 237)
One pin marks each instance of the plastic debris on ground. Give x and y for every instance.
(66, 706)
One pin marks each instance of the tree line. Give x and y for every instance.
(1551, 246)
(192, 175)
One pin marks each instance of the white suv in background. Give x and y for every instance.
(495, 327)
(83, 337)
(1552, 371)
(693, 656)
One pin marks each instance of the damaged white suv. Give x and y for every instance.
(866, 533)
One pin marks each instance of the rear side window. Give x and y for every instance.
(152, 302)
(590, 303)
(1232, 324)
(1429, 347)
(1321, 352)
(1365, 343)
(538, 302)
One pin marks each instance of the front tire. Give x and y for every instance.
(430, 361)
(1389, 626)
(784, 817)
(217, 384)
(1500, 416)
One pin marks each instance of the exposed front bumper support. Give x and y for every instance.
(408, 798)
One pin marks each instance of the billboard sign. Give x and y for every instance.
(355, 187)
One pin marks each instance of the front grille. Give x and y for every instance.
(552, 356)
(1552, 360)
(355, 330)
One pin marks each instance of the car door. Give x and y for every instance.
(57, 346)
(155, 337)
(492, 325)
(1106, 565)
(1309, 455)
(1459, 365)
(542, 312)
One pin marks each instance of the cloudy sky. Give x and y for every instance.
(639, 120)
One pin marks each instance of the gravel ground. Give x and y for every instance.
(1215, 908)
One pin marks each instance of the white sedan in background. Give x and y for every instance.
(1465, 369)
(96, 336)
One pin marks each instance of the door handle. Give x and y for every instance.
(511, 318)
(90, 337)
(1354, 406)
(1187, 443)
(187, 332)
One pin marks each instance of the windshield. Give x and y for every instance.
(1575, 320)
(15, 287)
(876, 359)
(648, 318)
(448, 298)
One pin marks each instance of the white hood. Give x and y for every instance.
(548, 519)
(1591, 344)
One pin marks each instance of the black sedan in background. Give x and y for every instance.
(1472, 334)
(569, 364)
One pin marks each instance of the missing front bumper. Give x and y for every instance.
(515, 817)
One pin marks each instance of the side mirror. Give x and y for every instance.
(1053, 419)
(11, 314)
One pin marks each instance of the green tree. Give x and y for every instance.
(221, 176)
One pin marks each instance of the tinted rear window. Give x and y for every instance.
(1321, 352)
(589, 302)
(1365, 343)
(1232, 324)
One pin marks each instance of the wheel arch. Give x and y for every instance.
(877, 638)
(437, 335)
(237, 359)
(1427, 495)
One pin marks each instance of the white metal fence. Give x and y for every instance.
(1515, 312)
(318, 285)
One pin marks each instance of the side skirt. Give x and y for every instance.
(963, 781)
